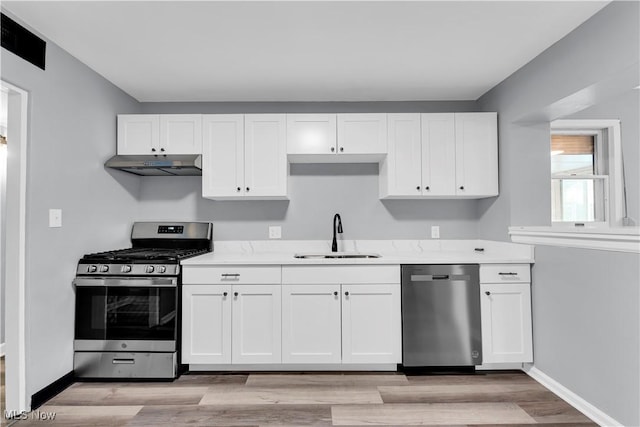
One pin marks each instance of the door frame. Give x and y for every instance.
(15, 254)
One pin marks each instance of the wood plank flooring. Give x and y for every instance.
(349, 399)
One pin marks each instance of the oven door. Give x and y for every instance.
(126, 314)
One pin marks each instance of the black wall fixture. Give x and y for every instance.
(22, 42)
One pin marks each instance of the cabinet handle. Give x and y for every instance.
(341, 149)
(487, 293)
(508, 274)
(224, 294)
(426, 188)
(230, 276)
(235, 294)
(462, 187)
(333, 149)
(336, 293)
(238, 189)
(346, 294)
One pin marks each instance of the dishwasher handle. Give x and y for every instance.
(439, 277)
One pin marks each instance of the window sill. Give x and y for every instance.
(625, 239)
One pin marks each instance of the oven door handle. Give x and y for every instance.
(154, 282)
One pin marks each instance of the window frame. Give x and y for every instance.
(607, 156)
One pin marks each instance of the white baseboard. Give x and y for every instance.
(570, 397)
(2, 349)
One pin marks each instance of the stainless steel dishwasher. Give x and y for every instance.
(441, 316)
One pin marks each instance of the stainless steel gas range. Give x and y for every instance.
(127, 322)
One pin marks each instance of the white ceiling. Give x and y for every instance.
(304, 51)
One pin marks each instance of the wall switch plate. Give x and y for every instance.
(55, 218)
(435, 231)
(275, 232)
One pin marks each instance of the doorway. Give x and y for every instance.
(12, 248)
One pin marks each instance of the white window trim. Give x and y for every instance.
(614, 206)
(625, 239)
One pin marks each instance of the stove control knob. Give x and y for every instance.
(162, 269)
(126, 269)
(92, 269)
(150, 269)
(104, 268)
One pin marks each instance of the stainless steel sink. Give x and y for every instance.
(332, 255)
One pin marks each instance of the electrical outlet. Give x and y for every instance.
(275, 232)
(55, 218)
(435, 231)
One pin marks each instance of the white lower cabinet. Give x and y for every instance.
(311, 323)
(224, 324)
(206, 324)
(371, 324)
(505, 306)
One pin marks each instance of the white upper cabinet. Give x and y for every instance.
(244, 156)
(311, 133)
(362, 133)
(336, 138)
(181, 133)
(441, 155)
(265, 156)
(140, 134)
(476, 154)
(223, 155)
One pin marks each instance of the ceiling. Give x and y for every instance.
(304, 51)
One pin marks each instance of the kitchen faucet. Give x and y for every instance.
(334, 244)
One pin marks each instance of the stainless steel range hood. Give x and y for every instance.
(165, 165)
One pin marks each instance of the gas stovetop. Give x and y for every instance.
(157, 249)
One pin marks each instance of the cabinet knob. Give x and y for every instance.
(238, 189)
(153, 150)
(487, 293)
(162, 149)
(418, 188)
(224, 294)
(333, 149)
(235, 294)
(346, 293)
(462, 187)
(426, 188)
(341, 149)
(247, 188)
(336, 293)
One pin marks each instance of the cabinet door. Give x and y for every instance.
(311, 324)
(476, 154)
(206, 324)
(371, 325)
(400, 172)
(265, 155)
(223, 156)
(506, 322)
(311, 133)
(181, 133)
(256, 324)
(362, 133)
(138, 134)
(438, 154)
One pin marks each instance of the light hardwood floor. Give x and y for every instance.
(504, 398)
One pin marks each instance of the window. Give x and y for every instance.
(586, 179)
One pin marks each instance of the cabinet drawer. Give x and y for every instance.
(344, 274)
(194, 275)
(505, 273)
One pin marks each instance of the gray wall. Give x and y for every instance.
(71, 132)
(316, 191)
(585, 303)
